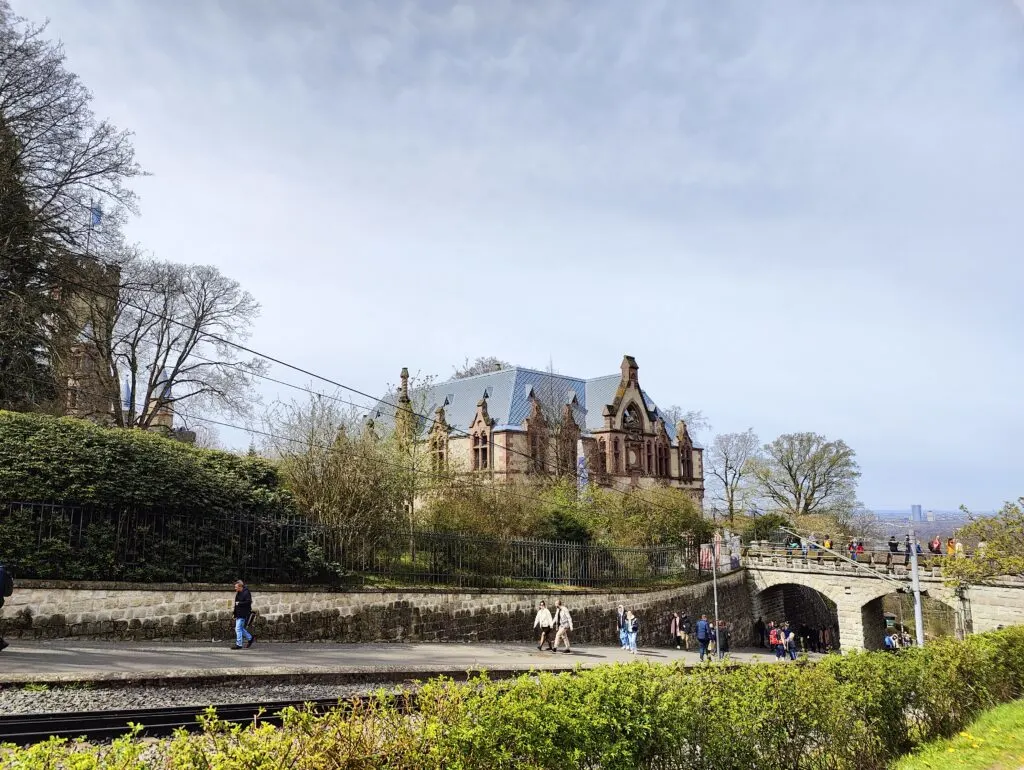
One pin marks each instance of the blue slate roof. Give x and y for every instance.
(508, 399)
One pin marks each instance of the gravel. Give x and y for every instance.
(17, 700)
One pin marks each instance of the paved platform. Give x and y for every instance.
(68, 661)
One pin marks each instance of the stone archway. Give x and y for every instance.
(807, 610)
(940, 617)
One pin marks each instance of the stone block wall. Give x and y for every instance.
(47, 610)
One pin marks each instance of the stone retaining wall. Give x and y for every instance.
(117, 611)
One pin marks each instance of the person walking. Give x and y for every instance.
(674, 632)
(722, 638)
(686, 631)
(562, 621)
(632, 629)
(543, 621)
(703, 633)
(620, 627)
(775, 640)
(6, 589)
(243, 609)
(790, 639)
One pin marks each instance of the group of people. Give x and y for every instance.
(709, 639)
(953, 547)
(554, 627)
(898, 640)
(789, 639)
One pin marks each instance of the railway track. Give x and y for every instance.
(25, 729)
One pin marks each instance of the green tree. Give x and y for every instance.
(28, 309)
(339, 473)
(995, 547)
(801, 474)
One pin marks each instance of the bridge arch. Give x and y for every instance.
(940, 615)
(858, 597)
(811, 613)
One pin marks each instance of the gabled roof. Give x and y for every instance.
(508, 393)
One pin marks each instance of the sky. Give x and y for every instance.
(796, 216)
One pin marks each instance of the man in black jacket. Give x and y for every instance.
(243, 609)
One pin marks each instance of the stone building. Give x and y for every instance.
(517, 423)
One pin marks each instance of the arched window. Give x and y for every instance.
(616, 456)
(480, 446)
(438, 452)
(650, 458)
(602, 456)
(686, 462)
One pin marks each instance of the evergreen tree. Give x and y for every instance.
(28, 307)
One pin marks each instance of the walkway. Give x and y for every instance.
(67, 661)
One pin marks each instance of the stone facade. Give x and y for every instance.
(45, 610)
(858, 598)
(519, 424)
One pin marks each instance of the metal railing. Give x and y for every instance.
(50, 541)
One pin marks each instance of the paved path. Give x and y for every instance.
(71, 661)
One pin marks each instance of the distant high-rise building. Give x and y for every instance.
(915, 513)
(931, 515)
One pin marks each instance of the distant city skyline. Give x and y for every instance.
(797, 216)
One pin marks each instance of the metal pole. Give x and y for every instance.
(714, 583)
(916, 582)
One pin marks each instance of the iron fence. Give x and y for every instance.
(50, 541)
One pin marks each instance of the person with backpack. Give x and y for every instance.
(243, 610)
(632, 629)
(775, 640)
(703, 633)
(6, 589)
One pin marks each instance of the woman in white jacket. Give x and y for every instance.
(544, 622)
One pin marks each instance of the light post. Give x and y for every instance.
(714, 578)
(915, 581)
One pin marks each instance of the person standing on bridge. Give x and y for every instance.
(243, 609)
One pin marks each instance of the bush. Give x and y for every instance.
(855, 712)
(65, 460)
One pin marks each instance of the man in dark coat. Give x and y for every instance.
(243, 609)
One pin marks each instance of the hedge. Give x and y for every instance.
(857, 711)
(70, 461)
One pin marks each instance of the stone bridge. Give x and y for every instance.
(823, 591)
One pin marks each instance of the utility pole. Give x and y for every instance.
(714, 579)
(916, 583)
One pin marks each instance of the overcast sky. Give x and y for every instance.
(795, 215)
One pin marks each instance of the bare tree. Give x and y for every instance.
(730, 468)
(73, 164)
(805, 473)
(480, 365)
(339, 472)
(695, 420)
(166, 344)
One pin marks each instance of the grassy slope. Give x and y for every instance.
(994, 742)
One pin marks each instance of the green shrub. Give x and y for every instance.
(64, 460)
(855, 712)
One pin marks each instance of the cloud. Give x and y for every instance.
(797, 215)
